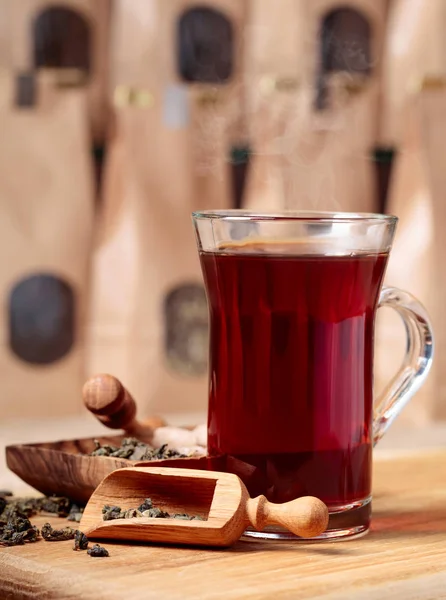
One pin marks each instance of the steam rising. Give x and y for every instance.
(310, 139)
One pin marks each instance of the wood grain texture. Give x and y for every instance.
(64, 468)
(404, 556)
(216, 497)
(220, 499)
(114, 406)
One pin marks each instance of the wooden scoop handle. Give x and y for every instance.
(106, 397)
(306, 517)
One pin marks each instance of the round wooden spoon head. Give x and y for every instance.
(106, 397)
(103, 394)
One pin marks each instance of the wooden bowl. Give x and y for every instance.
(65, 469)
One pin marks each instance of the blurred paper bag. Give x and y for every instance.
(46, 195)
(416, 262)
(149, 310)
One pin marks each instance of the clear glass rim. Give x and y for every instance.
(294, 215)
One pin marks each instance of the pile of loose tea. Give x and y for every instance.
(146, 509)
(133, 449)
(28, 507)
(16, 529)
(15, 526)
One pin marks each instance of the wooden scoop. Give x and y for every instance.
(112, 404)
(219, 498)
(106, 397)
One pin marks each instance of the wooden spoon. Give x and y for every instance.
(113, 405)
(219, 498)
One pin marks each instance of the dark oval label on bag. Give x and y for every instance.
(62, 39)
(205, 46)
(186, 329)
(41, 319)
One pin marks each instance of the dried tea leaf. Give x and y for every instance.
(21, 524)
(97, 550)
(32, 534)
(103, 450)
(5, 493)
(155, 513)
(123, 452)
(80, 541)
(138, 452)
(131, 442)
(8, 528)
(75, 514)
(50, 534)
(112, 512)
(100, 452)
(132, 513)
(20, 508)
(146, 505)
(16, 539)
(161, 453)
(54, 505)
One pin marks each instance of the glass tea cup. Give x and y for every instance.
(292, 302)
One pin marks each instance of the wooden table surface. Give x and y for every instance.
(403, 557)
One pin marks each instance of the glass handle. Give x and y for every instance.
(417, 361)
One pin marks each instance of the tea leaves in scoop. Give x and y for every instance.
(147, 510)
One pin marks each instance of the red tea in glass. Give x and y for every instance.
(292, 316)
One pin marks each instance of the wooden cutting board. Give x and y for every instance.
(404, 556)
